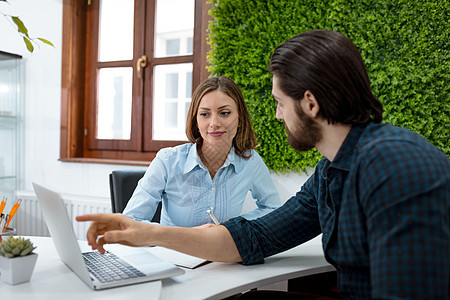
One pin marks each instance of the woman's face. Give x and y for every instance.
(217, 119)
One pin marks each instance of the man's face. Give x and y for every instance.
(303, 131)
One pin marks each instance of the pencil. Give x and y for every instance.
(2, 205)
(13, 212)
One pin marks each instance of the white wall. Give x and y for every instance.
(42, 105)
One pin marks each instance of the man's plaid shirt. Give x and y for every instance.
(383, 207)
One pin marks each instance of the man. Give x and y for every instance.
(380, 196)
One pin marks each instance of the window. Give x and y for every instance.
(128, 70)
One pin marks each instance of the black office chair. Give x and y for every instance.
(122, 184)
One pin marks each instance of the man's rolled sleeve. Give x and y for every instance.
(248, 246)
(286, 227)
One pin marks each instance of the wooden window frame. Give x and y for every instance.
(75, 76)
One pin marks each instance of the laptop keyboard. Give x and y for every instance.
(108, 267)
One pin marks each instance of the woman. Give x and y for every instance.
(214, 172)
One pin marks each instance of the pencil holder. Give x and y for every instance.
(8, 231)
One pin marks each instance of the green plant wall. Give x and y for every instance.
(404, 43)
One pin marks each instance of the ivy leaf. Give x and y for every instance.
(20, 26)
(28, 43)
(46, 41)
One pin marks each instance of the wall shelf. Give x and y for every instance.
(10, 104)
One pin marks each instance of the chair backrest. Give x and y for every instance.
(122, 184)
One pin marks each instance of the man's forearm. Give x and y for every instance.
(214, 243)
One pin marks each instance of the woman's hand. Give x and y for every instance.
(114, 228)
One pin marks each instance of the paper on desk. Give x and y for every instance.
(177, 258)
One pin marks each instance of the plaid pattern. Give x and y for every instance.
(383, 208)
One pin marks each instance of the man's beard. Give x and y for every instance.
(306, 134)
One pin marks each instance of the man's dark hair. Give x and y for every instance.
(330, 66)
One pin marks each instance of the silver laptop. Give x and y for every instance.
(130, 265)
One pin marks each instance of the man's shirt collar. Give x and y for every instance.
(344, 157)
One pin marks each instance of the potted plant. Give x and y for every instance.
(17, 260)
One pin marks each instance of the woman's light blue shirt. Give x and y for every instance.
(178, 178)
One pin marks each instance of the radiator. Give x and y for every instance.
(29, 220)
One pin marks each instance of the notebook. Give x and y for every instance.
(178, 258)
(136, 263)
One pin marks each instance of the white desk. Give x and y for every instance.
(53, 280)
